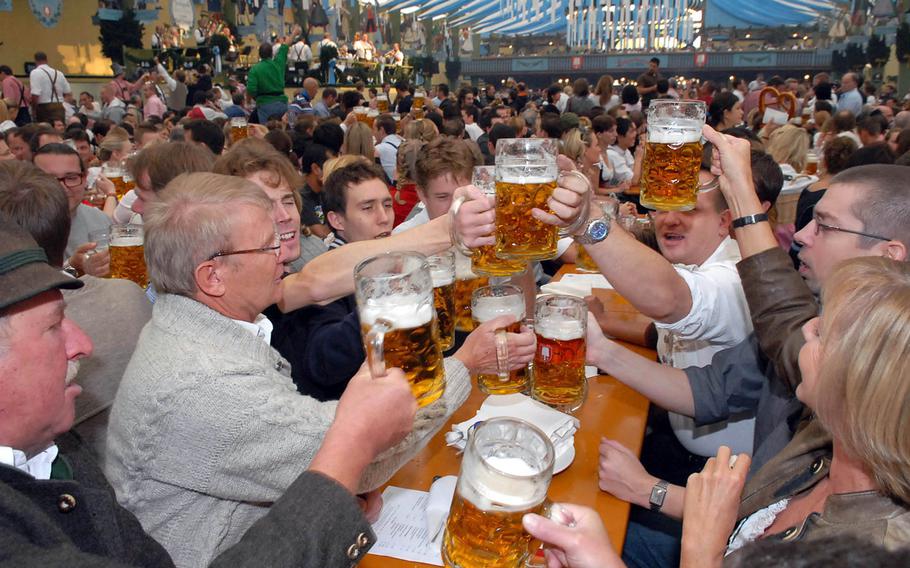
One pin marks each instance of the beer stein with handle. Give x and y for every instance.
(526, 174)
(395, 303)
(483, 259)
(127, 250)
(669, 174)
(488, 303)
(558, 380)
(505, 473)
(442, 271)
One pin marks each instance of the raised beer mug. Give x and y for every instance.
(558, 380)
(483, 259)
(240, 129)
(466, 281)
(669, 175)
(442, 272)
(127, 250)
(526, 174)
(394, 294)
(505, 473)
(489, 303)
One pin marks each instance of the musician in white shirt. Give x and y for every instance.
(48, 85)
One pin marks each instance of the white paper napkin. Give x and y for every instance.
(579, 285)
(438, 505)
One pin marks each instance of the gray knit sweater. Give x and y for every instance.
(207, 430)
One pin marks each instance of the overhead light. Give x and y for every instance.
(748, 36)
(806, 77)
(410, 9)
(438, 17)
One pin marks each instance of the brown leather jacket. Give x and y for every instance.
(780, 303)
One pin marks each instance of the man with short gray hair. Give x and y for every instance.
(207, 428)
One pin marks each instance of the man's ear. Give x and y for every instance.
(895, 250)
(209, 278)
(726, 223)
(335, 220)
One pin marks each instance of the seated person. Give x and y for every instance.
(112, 310)
(57, 503)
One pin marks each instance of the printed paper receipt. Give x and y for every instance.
(401, 531)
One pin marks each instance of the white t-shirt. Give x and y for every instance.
(300, 51)
(473, 131)
(48, 84)
(719, 319)
(622, 162)
(388, 154)
(418, 217)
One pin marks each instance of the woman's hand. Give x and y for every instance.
(711, 507)
(575, 538)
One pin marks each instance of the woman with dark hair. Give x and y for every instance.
(579, 102)
(630, 99)
(725, 111)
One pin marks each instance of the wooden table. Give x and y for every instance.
(611, 409)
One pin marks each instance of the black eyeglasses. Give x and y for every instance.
(819, 226)
(275, 247)
(71, 180)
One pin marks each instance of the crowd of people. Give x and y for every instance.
(224, 414)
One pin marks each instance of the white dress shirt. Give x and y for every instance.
(388, 154)
(299, 52)
(622, 162)
(719, 319)
(261, 327)
(46, 82)
(39, 466)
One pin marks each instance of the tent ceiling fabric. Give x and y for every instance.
(520, 17)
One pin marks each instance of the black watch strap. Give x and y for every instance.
(749, 220)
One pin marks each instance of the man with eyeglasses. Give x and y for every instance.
(207, 430)
(63, 162)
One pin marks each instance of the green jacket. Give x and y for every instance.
(265, 81)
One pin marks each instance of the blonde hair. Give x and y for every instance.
(359, 141)
(193, 219)
(406, 160)
(342, 162)
(420, 129)
(576, 141)
(116, 141)
(864, 392)
(789, 144)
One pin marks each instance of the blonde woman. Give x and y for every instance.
(603, 95)
(359, 141)
(116, 146)
(789, 145)
(420, 129)
(581, 145)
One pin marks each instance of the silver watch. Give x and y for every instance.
(658, 494)
(596, 231)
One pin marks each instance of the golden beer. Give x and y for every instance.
(239, 132)
(669, 175)
(669, 178)
(812, 164)
(584, 262)
(487, 304)
(559, 362)
(444, 301)
(518, 234)
(505, 474)
(411, 346)
(484, 261)
(464, 288)
(419, 100)
(122, 184)
(516, 381)
(382, 103)
(475, 537)
(128, 259)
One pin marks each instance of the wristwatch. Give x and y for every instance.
(658, 494)
(596, 231)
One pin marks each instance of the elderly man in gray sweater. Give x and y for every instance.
(207, 429)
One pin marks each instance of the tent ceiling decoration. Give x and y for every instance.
(612, 24)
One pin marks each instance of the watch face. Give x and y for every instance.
(598, 231)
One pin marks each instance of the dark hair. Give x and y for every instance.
(837, 154)
(453, 127)
(76, 135)
(329, 135)
(281, 141)
(329, 92)
(872, 154)
(6, 69)
(623, 125)
(654, 60)
(844, 121)
(199, 97)
(350, 99)
(874, 124)
(844, 551)
(501, 131)
(265, 50)
(163, 162)
(822, 93)
(40, 56)
(473, 111)
(386, 123)
(206, 132)
(580, 88)
(767, 177)
(335, 187)
(823, 105)
(436, 119)
(59, 149)
(102, 127)
(663, 86)
(775, 81)
(444, 88)
(721, 103)
(551, 124)
(486, 118)
(629, 95)
(37, 134)
(34, 201)
(313, 154)
(603, 123)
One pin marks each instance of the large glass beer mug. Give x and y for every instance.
(116, 172)
(127, 250)
(559, 364)
(382, 102)
(398, 320)
(483, 259)
(240, 129)
(525, 178)
(442, 272)
(489, 303)
(505, 473)
(669, 175)
(465, 284)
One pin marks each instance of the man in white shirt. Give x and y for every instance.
(388, 143)
(359, 47)
(48, 85)
(471, 114)
(300, 52)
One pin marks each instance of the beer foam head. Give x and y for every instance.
(560, 328)
(441, 277)
(491, 307)
(518, 490)
(128, 241)
(404, 312)
(676, 132)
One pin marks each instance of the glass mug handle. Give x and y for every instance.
(502, 355)
(555, 513)
(453, 233)
(375, 347)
